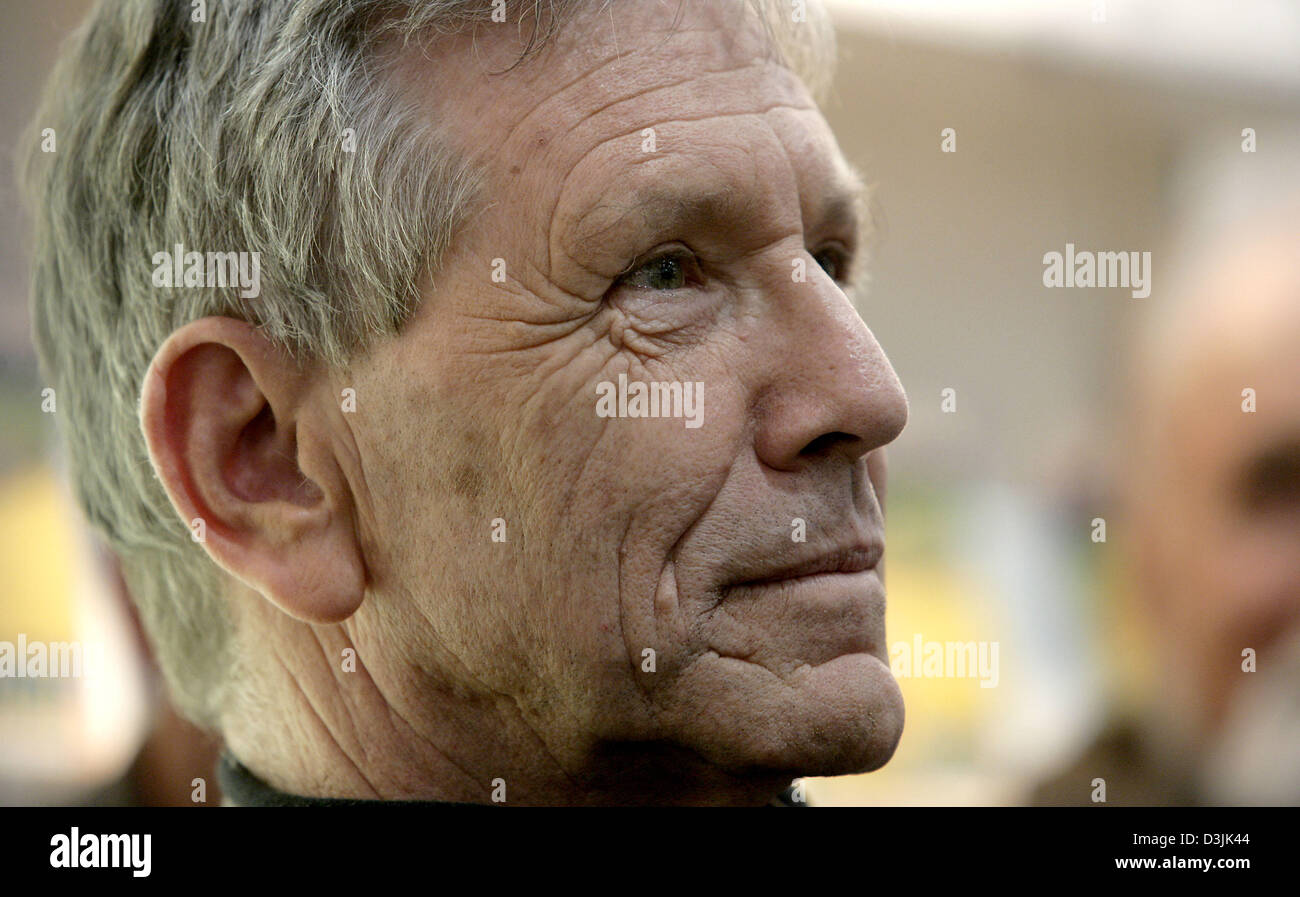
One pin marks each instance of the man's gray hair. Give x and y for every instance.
(233, 134)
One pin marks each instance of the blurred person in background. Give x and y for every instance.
(173, 767)
(1212, 485)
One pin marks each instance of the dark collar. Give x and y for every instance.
(243, 789)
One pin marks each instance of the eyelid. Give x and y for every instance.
(694, 270)
(847, 256)
(675, 249)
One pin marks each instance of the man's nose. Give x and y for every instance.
(831, 391)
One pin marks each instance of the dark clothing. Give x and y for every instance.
(244, 789)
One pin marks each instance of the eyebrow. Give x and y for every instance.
(848, 204)
(679, 209)
(855, 202)
(844, 205)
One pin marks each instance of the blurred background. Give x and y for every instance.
(1094, 512)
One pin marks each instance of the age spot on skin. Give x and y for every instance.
(468, 481)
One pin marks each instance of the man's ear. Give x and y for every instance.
(245, 455)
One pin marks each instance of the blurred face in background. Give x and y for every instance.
(1218, 492)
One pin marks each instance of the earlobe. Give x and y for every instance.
(241, 447)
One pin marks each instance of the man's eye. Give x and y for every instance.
(672, 271)
(835, 262)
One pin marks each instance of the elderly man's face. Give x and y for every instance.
(647, 586)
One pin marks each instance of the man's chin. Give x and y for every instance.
(841, 717)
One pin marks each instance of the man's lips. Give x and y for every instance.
(814, 606)
(854, 559)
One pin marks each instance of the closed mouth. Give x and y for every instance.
(848, 561)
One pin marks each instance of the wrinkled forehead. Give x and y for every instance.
(647, 106)
(608, 70)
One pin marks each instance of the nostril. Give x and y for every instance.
(825, 443)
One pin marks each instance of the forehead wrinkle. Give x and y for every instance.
(682, 209)
(696, 75)
(552, 97)
(733, 105)
(737, 62)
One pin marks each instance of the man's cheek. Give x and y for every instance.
(664, 596)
